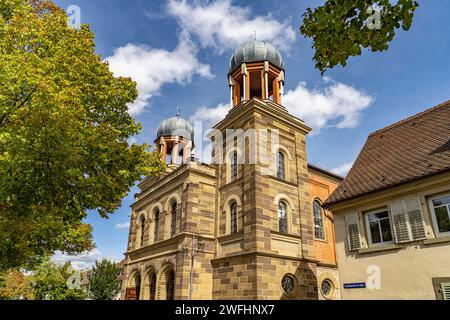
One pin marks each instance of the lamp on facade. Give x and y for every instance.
(192, 248)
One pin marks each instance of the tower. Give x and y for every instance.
(264, 221)
(256, 71)
(175, 140)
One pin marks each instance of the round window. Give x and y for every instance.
(288, 284)
(327, 288)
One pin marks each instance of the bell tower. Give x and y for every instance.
(175, 140)
(256, 71)
(264, 222)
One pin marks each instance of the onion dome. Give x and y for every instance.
(175, 126)
(256, 51)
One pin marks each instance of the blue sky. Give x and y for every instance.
(179, 51)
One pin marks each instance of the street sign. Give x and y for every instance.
(360, 285)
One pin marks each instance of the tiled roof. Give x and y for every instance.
(408, 150)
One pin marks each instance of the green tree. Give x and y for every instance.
(51, 282)
(64, 127)
(104, 283)
(342, 28)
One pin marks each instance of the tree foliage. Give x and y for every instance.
(342, 28)
(50, 282)
(64, 127)
(15, 285)
(104, 283)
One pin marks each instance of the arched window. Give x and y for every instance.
(142, 234)
(170, 287)
(155, 234)
(173, 222)
(234, 166)
(281, 174)
(153, 286)
(137, 281)
(234, 217)
(282, 217)
(318, 220)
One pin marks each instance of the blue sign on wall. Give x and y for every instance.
(360, 285)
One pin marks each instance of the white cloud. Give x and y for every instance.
(82, 261)
(124, 225)
(151, 68)
(210, 116)
(204, 119)
(336, 105)
(343, 169)
(222, 26)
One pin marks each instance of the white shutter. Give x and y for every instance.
(408, 220)
(415, 218)
(351, 220)
(445, 290)
(399, 221)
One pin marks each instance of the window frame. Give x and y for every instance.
(173, 219)
(152, 286)
(332, 289)
(322, 215)
(142, 222)
(234, 166)
(433, 214)
(294, 280)
(234, 227)
(156, 220)
(281, 156)
(170, 285)
(281, 202)
(369, 234)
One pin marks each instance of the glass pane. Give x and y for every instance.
(378, 216)
(375, 232)
(282, 217)
(170, 286)
(442, 219)
(326, 288)
(441, 201)
(288, 284)
(173, 225)
(280, 165)
(156, 226)
(319, 233)
(386, 230)
(281, 210)
(283, 225)
(234, 218)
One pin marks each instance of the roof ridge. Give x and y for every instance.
(398, 123)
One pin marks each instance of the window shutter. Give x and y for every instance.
(354, 242)
(415, 218)
(408, 220)
(445, 290)
(399, 221)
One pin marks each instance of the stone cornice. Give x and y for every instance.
(264, 254)
(175, 175)
(267, 107)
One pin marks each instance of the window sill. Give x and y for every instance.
(321, 240)
(285, 181)
(278, 234)
(437, 240)
(380, 248)
(231, 183)
(231, 237)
